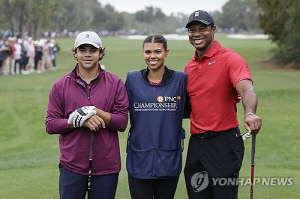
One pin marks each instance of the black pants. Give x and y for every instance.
(17, 63)
(152, 188)
(213, 165)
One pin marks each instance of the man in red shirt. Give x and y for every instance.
(216, 77)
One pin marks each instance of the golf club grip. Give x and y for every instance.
(91, 154)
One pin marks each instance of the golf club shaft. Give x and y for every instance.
(91, 154)
(252, 165)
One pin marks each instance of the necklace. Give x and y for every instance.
(154, 82)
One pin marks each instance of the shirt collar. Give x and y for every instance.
(79, 77)
(211, 51)
(166, 76)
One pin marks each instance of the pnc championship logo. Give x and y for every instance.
(162, 103)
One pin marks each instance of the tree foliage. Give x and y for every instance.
(237, 16)
(33, 17)
(107, 18)
(149, 15)
(29, 15)
(280, 20)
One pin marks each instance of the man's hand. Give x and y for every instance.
(80, 115)
(252, 123)
(71, 118)
(94, 123)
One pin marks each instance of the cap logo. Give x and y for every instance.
(87, 36)
(196, 14)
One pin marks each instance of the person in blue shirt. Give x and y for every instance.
(156, 104)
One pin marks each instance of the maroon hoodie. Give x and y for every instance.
(106, 92)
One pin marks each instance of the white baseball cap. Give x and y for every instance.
(88, 37)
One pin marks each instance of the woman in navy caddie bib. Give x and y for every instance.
(156, 103)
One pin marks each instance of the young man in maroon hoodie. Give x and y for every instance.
(88, 102)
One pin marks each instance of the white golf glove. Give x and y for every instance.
(80, 115)
(246, 135)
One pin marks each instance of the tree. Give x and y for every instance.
(27, 14)
(238, 15)
(75, 15)
(149, 15)
(273, 17)
(280, 20)
(39, 15)
(13, 13)
(152, 16)
(108, 19)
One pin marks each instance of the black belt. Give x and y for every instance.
(207, 134)
(210, 134)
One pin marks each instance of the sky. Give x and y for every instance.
(167, 6)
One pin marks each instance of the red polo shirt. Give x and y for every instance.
(211, 87)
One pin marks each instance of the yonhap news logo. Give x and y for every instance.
(199, 181)
(263, 181)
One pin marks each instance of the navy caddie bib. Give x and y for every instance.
(154, 147)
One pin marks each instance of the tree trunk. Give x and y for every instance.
(21, 19)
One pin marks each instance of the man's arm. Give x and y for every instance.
(116, 119)
(55, 122)
(252, 122)
(119, 114)
(100, 120)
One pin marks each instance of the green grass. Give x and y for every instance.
(29, 156)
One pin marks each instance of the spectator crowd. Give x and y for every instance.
(24, 56)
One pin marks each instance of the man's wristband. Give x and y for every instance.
(249, 113)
